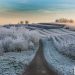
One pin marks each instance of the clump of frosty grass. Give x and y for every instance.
(13, 39)
(18, 47)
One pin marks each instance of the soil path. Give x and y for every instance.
(39, 66)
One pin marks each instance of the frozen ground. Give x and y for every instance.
(19, 45)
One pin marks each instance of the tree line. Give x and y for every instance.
(64, 20)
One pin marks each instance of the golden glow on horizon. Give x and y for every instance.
(17, 20)
(30, 17)
(15, 17)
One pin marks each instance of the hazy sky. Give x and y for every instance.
(12, 11)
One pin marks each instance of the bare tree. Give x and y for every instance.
(56, 20)
(26, 22)
(21, 22)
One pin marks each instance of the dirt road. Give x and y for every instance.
(39, 66)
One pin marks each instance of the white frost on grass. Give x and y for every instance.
(14, 63)
(65, 44)
(14, 39)
(58, 62)
(18, 47)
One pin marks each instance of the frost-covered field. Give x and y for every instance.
(19, 45)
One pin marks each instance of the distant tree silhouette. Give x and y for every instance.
(21, 22)
(26, 22)
(64, 20)
(57, 20)
(71, 21)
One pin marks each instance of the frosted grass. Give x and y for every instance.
(19, 45)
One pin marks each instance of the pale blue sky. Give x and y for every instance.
(30, 5)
